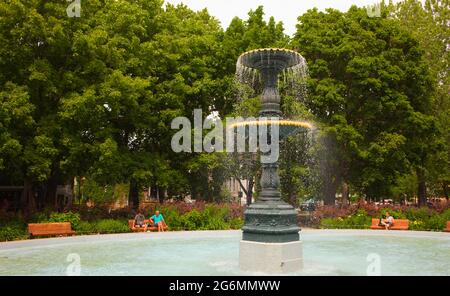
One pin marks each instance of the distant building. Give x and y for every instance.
(237, 194)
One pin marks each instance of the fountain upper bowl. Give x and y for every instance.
(266, 58)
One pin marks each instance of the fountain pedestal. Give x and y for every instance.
(270, 242)
(271, 258)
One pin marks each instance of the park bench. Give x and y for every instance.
(50, 229)
(447, 229)
(151, 227)
(399, 224)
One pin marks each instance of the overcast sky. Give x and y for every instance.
(286, 11)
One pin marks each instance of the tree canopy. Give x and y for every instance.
(94, 96)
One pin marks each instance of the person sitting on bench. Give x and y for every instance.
(158, 220)
(139, 221)
(388, 222)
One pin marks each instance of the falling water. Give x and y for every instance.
(298, 137)
(293, 78)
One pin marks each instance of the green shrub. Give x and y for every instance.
(436, 223)
(446, 215)
(73, 218)
(417, 214)
(416, 225)
(236, 223)
(359, 220)
(13, 232)
(102, 226)
(86, 227)
(111, 226)
(214, 218)
(424, 219)
(332, 223)
(192, 220)
(172, 218)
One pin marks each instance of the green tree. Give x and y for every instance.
(428, 22)
(147, 69)
(101, 91)
(370, 87)
(35, 67)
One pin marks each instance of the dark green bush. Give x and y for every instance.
(424, 219)
(210, 217)
(418, 214)
(360, 220)
(86, 227)
(73, 218)
(13, 232)
(236, 223)
(112, 226)
(215, 218)
(192, 220)
(12, 228)
(102, 226)
(173, 218)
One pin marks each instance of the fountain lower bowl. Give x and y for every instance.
(286, 127)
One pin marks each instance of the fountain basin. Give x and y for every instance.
(326, 252)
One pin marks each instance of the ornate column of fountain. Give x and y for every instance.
(270, 241)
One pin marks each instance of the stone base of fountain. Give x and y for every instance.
(271, 258)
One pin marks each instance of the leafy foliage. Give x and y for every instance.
(360, 216)
(94, 97)
(370, 88)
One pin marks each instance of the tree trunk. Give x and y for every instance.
(250, 192)
(78, 195)
(70, 197)
(422, 188)
(50, 199)
(247, 191)
(27, 200)
(161, 194)
(133, 195)
(345, 193)
(330, 197)
(329, 194)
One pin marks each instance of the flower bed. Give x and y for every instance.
(179, 216)
(359, 216)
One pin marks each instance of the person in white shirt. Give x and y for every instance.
(388, 222)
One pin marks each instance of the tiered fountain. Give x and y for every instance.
(271, 241)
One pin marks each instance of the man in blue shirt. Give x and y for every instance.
(158, 220)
